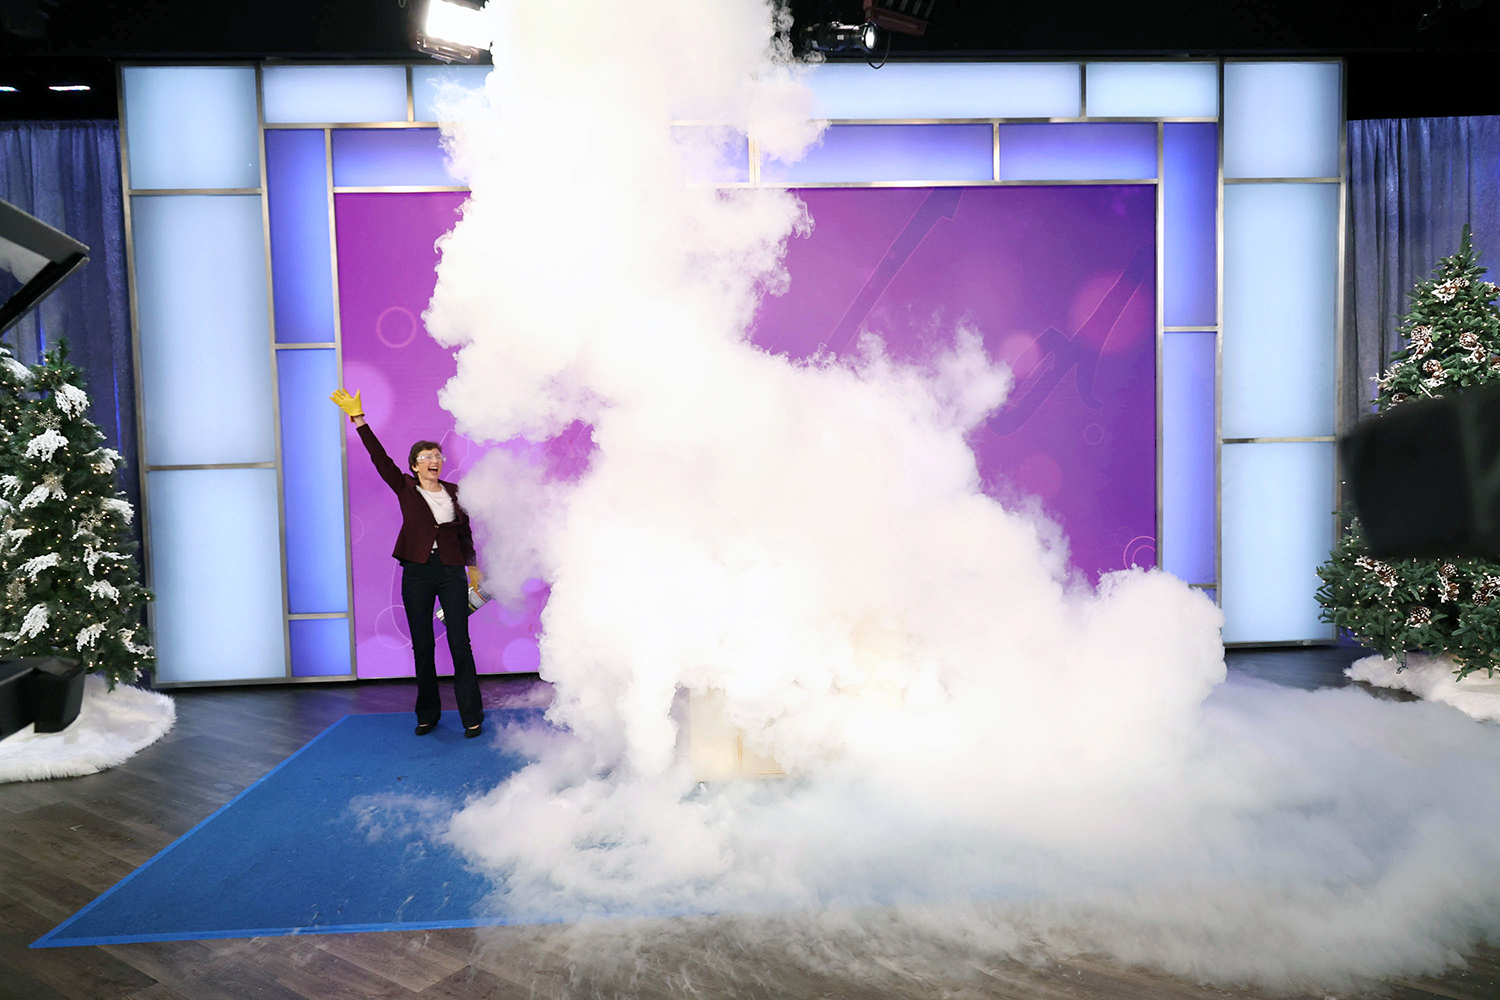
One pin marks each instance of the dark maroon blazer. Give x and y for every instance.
(455, 541)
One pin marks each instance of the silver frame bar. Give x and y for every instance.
(143, 469)
(196, 467)
(265, 215)
(1279, 440)
(1161, 315)
(1283, 180)
(148, 192)
(338, 356)
(1219, 365)
(396, 188)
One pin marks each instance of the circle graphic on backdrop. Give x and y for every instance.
(521, 656)
(1141, 551)
(1093, 433)
(394, 337)
(390, 628)
(508, 617)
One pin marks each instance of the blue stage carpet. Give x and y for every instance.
(335, 839)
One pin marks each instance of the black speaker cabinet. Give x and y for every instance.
(45, 690)
(56, 692)
(15, 698)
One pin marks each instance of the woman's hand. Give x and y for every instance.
(350, 405)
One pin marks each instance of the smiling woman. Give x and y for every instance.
(433, 546)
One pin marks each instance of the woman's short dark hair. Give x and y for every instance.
(418, 448)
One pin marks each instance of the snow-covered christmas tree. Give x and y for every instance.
(1448, 606)
(72, 587)
(14, 378)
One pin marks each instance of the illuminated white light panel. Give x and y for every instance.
(334, 94)
(1281, 257)
(204, 329)
(432, 85)
(216, 573)
(1153, 90)
(1282, 119)
(947, 90)
(1276, 530)
(191, 127)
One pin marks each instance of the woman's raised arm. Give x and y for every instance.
(388, 470)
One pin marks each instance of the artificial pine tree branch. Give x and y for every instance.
(1446, 607)
(71, 583)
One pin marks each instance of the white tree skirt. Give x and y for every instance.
(112, 727)
(1431, 677)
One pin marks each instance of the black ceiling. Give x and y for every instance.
(1396, 69)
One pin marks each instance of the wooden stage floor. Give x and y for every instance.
(63, 842)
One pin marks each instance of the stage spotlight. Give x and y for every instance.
(905, 17)
(69, 88)
(450, 30)
(836, 37)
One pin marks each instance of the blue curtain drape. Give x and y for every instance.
(1413, 184)
(68, 175)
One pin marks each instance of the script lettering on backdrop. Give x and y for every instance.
(1056, 280)
(1080, 351)
(941, 203)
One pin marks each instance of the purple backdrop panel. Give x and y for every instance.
(891, 153)
(1060, 281)
(387, 272)
(1077, 151)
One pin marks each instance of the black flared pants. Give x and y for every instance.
(421, 583)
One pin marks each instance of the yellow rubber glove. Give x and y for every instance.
(349, 404)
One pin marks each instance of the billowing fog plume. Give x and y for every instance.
(1008, 756)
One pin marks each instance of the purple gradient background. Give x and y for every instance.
(387, 271)
(906, 263)
(1011, 262)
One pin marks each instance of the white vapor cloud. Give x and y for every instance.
(984, 751)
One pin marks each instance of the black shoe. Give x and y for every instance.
(423, 728)
(472, 731)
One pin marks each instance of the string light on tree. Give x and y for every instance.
(72, 586)
(1444, 607)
